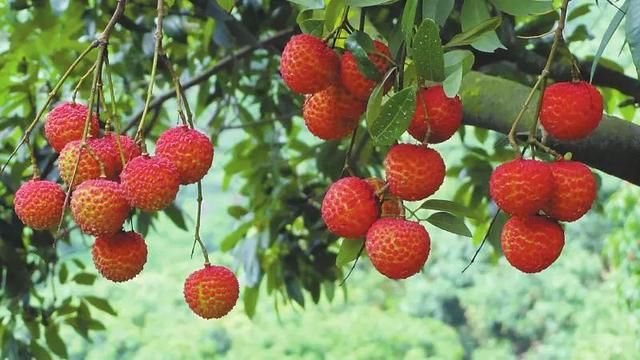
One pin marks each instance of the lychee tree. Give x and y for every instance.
(337, 107)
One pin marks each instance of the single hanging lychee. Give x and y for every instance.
(99, 207)
(189, 150)
(350, 207)
(332, 113)
(39, 204)
(574, 190)
(531, 243)
(120, 256)
(88, 167)
(436, 114)
(211, 292)
(150, 183)
(414, 172)
(308, 65)
(65, 123)
(521, 187)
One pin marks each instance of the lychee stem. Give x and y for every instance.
(484, 240)
(114, 111)
(540, 84)
(139, 138)
(197, 238)
(79, 83)
(180, 97)
(34, 162)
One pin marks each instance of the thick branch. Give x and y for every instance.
(614, 147)
(223, 64)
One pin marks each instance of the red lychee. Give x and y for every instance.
(99, 207)
(574, 190)
(150, 183)
(398, 248)
(65, 123)
(211, 292)
(308, 65)
(521, 187)
(571, 110)
(120, 256)
(354, 80)
(413, 171)
(189, 150)
(437, 114)
(332, 113)
(39, 204)
(531, 243)
(350, 207)
(88, 167)
(128, 147)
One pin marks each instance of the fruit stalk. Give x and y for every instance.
(540, 82)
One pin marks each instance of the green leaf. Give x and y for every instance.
(54, 342)
(523, 7)
(176, 216)
(230, 241)
(450, 223)
(633, 31)
(496, 230)
(101, 304)
(427, 52)
(473, 13)
(38, 352)
(63, 274)
(472, 35)
(349, 250)
(309, 4)
(375, 100)
(408, 20)
(579, 11)
(360, 45)
(437, 10)
(333, 15)
(250, 299)
(237, 211)
(84, 278)
(227, 5)
(312, 26)
(394, 118)
(365, 3)
(450, 207)
(294, 290)
(457, 64)
(606, 37)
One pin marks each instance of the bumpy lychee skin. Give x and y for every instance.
(189, 150)
(521, 187)
(150, 183)
(65, 123)
(99, 207)
(571, 110)
(354, 80)
(413, 172)
(308, 65)
(437, 114)
(211, 292)
(350, 207)
(574, 190)
(390, 206)
(531, 243)
(39, 204)
(127, 145)
(332, 113)
(121, 256)
(88, 167)
(398, 248)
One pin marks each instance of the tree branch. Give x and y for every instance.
(223, 64)
(614, 147)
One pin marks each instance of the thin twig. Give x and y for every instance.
(355, 262)
(484, 240)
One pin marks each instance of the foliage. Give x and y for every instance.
(277, 171)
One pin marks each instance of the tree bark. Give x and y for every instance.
(492, 103)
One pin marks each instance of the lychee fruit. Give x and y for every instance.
(354, 80)
(332, 113)
(437, 117)
(120, 256)
(350, 207)
(99, 207)
(574, 190)
(128, 149)
(88, 167)
(531, 243)
(414, 172)
(189, 150)
(150, 183)
(65, 123)
(308, 65)
(390, 206)
(571, 110)
(39, 204)
(521, 187)
(211, 292)
(398, 248)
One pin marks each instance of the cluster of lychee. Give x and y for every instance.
(110, 176)
(538, 195)
(353, 208)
